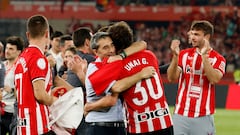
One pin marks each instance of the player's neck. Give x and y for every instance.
(39, 43)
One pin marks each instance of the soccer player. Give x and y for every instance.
(145, 102)
(197, 69)
(33, 80)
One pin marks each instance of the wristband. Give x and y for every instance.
(123, 54)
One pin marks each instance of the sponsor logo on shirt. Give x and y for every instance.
(22, 122)
(152, 114)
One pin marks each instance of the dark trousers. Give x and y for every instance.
(82, 128)
(167, 131)
(101, 130)
(6, 121)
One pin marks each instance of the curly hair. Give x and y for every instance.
(121, 34)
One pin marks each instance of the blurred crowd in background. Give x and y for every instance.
(160, 2)
(158, 35)
(226, 38)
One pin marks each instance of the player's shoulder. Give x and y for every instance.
(32, 50)
(217, 54)
(146, 52)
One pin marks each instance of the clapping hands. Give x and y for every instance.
(77, 64)
(175, 47)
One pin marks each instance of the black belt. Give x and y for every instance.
(107, 124)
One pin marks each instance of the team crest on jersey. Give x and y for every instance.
(41, 63)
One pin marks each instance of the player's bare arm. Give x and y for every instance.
(121, 85)
(213, 75)
(127, 82)
(41, 94)
(60, 82)
(134, 48)
(173, 72)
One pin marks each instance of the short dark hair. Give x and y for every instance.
(56, 34)
(203, 25)
(63, 38)
(51, 31)
(80, 35)
(37, 25)
(121, 34)
(17, 41)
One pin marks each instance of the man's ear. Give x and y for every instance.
(19, 52)
(47, 34)
(28, 35)
(207, 36)
(94, 51)
(87, 42)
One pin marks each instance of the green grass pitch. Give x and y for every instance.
(227, 122)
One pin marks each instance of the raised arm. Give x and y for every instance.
(127, 82)
(173, 72)
(134, 48)
(213, 75)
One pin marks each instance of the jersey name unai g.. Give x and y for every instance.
(32, 65)
(196, 96)
(145, 102)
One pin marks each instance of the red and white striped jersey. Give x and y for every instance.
(32, 65)
(196, 96)
(145, 102)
